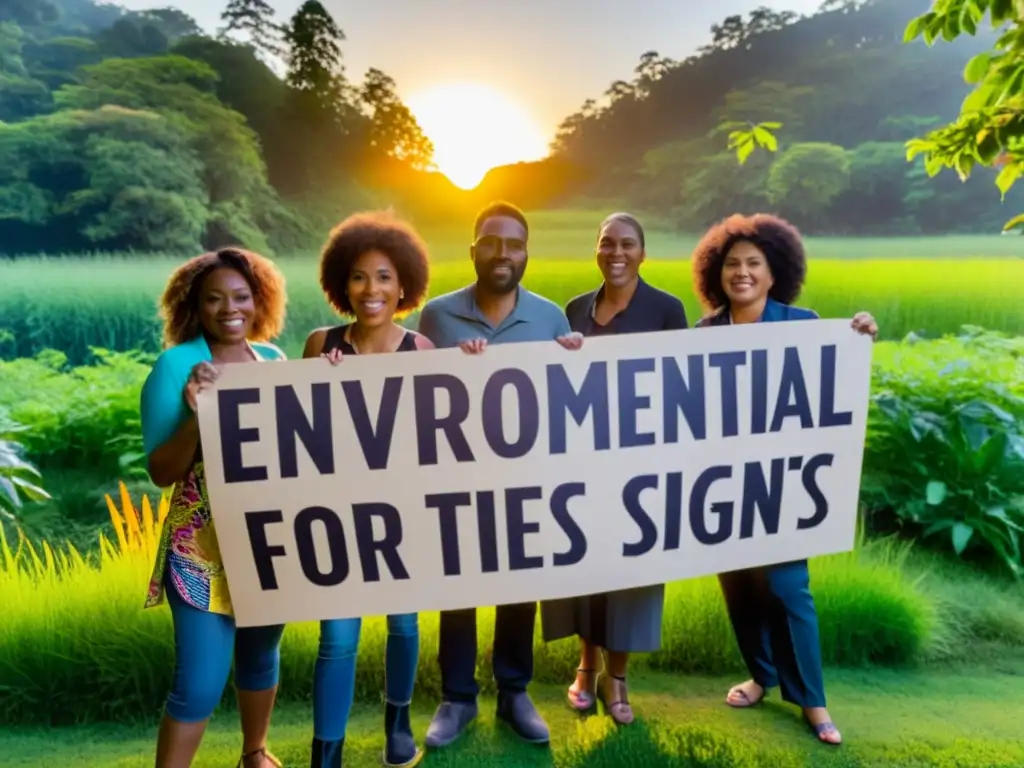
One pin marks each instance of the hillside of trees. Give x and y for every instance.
(848, 93)
(127, 129)
(137, 130)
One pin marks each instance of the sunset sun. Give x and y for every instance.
(475, 128)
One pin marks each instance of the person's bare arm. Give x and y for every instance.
(169, 462)
(315, 343)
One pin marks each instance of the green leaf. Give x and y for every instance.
(979, 98)
(961, 535)
(1008, 177)
(977, 67)
(968, 24)
(770, 126)
(951, 29)
(938, 527)
(766, 139)
(1017, 222)
(9, 497)
(1001, 11)
(31, 491)
(1000, 514)
(916, 27)
(934, 165)
(744, 150)
(935, 492)
(1012, 85)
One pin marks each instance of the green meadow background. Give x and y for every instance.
(923, 620)
(926, 285)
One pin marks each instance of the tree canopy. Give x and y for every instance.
(123, 129)
(135, 129)
(834, 97)
(989, 131)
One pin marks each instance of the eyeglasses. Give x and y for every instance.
(491, 245)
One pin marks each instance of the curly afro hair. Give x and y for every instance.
(179, 305)
(374, 231)
(779, 241)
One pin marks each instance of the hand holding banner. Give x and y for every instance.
(439, 480)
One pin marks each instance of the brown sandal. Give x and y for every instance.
(619, 709)
(261, 752)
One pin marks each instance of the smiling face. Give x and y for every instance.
(374, 289)
(499, 254)
(619, 253)
(227, 306)
(746, 276)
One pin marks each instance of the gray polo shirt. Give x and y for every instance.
(454, 317)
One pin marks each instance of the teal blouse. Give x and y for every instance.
(187, 555)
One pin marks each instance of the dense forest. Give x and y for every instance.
(849, 94)
(127, 129)
(123, 129)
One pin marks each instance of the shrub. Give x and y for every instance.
(18, 478)
(84, 416)
(945, 445)
(75, 643)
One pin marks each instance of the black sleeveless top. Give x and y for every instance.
(335, 339)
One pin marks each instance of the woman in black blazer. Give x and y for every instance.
(627, 621)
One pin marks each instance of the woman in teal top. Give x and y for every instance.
(218, 309)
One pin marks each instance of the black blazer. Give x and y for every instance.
(650, 309)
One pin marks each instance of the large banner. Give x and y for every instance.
(439, 480)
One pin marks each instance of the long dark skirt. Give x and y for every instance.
(627, 621)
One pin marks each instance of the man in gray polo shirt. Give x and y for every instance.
(495, 309)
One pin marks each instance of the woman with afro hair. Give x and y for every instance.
(218, 309)
(750, 269)
(373, 268)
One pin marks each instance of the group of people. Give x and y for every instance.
(224, 307)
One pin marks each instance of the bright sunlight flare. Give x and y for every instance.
(475, 128)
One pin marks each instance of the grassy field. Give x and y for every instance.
(924, 661)
(921, 285)
(967, 717)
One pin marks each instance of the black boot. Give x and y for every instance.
(326, 754)
(400, 750)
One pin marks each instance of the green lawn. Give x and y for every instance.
(969, 716)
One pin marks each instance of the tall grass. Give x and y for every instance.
(76, 645)
(911, 285)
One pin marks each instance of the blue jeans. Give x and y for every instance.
(334, 679)
(204, 644)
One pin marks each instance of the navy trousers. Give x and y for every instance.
(513, 651)
(776, 625)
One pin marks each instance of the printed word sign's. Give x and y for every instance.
(439, 480)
